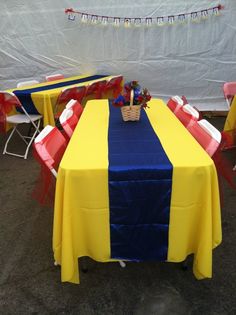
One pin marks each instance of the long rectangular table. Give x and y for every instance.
(135, 191)
(43, 96)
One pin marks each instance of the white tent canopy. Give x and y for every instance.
(191, 59)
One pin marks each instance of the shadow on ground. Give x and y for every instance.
(30, 284)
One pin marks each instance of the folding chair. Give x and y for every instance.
(54, 77)
(80, 93)
(174, 103)
(75, 92)
(229, 141)
(50, 145)
(114, 85)
(206, 135)
(48, 149)
(27, 83)
(76, 107)
(68, 121)
(187, 115)
(8, 102)
(96, 89)
(229, 89)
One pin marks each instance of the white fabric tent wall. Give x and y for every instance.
(195, 59)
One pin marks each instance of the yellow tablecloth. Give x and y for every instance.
(44, 101)
(230, 122)
(81, 217)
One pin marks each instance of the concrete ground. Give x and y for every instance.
(30, 283)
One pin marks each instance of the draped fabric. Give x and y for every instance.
(115, 86)
(25, 94)
(140, 183)
(44, 188)
(2, 119)
(7, 103)
(223, 165)
(48, 153)
(96, 89)
(230, 122)
(81, 225)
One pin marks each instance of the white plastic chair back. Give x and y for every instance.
(210, 129)
(66, 114)
(18, 119)
(71, 103)
(229, 89)
(54, 77)
(178, 100)
(46, 130)
(190, 110)
(27, 83)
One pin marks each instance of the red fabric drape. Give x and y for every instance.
(48, 153)
(114, 85)
(7, 102)
(209, 144)
(97, 89)
(186, 119)
(70, 124)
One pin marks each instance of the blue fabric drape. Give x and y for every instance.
(25, 95)
(140, 182)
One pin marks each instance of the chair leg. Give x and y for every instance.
(122, 263)
(29, 131)
(84, 268)
(9, 138)
(24, 139)
(184, 265)
(31, 140)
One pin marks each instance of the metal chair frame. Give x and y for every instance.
(17, 120)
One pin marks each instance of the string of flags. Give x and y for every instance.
(95, 19)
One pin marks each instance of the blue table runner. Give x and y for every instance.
(140, 184)
(25, 95)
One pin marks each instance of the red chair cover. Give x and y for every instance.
(96, 89)
(186, 119)
(184, 99)
(64, 97)
(204, 139)
(224, 167)
(173, 105)
(54, 77)
(44, 188)
(229, 89)
(7, 102)
(77, 109)
(114, 85)
(214, 149)
(229, 139)
(48, 153)
(2, 119)
(80, 93)
(70, 124)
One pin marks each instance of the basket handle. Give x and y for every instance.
(131, 98)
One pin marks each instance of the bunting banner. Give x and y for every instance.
(180, 18)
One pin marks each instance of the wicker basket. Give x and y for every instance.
(131, 112)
